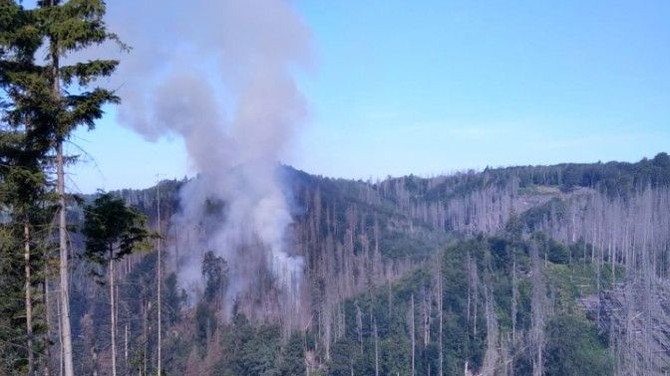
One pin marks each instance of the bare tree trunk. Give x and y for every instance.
(439, 311)
(411, 326)
(47, 350)
(117, 299)
(125, 348)
(94, 355)
(66, 331)
(376, 349)
(473, 292)
(112, 302)
(29, 299)
(515, 303)
(160, 278)
(145, 333)
(389, 296)
(61, 362)
(491, 356)
(359, 327)
(426, 318)
(538, 313)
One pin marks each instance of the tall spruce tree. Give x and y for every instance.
(53, 99)
(69, 27)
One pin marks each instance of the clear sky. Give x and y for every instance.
(428, 87)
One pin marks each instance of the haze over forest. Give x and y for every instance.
(300, 188)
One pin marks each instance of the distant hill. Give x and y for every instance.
(511, 270)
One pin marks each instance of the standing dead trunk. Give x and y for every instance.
(112, 302)
(515, 298)
(389, 297)
(359, 327)
(376, 348)
(145, 332)
(473, 291)
(411, 326)
(159, 277)
(46, 360)
(440, 317)
(94, 355)
(61, 361)
(426, 318)
(66, 331)
(491, 356)
(538, 313)
(29, 299)
(125, 347)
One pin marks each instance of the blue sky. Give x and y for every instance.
(431, 87)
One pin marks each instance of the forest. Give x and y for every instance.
(527, 270)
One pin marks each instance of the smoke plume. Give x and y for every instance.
(219, 75)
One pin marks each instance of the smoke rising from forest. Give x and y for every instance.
(219, 74)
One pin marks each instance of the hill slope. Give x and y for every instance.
(478, 272)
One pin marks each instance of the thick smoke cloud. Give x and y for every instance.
(219, 75)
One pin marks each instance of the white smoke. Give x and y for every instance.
(219, 75)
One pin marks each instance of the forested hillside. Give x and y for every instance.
(522, 270)
(254, 268)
